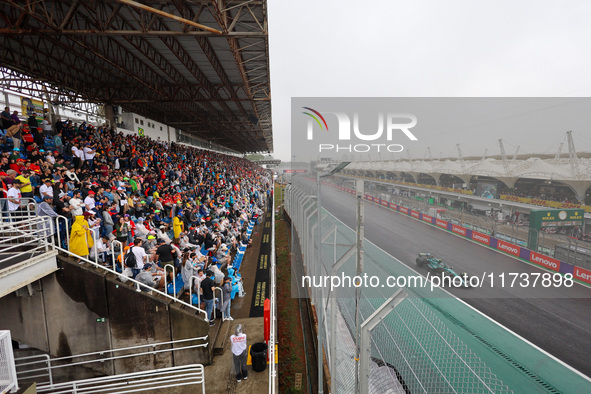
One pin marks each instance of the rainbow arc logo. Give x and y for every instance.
(315, 118)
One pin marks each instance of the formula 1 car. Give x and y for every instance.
(439, 268)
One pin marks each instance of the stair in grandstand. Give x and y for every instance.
(223, 335)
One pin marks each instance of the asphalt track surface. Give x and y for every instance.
(558, 320)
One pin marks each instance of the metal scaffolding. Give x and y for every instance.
(200, 66)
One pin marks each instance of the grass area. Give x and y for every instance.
(292, 359)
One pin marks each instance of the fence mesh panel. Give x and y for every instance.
(412, 350)
(8, 381)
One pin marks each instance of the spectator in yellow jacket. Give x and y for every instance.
(80, 237)
(178, 225)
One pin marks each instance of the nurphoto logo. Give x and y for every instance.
(388, 125)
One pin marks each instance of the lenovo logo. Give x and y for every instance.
(480, 238)
(459, 230)
(508, 248)
(582, 274)
(547, 262)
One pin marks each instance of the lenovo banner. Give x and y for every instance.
(441, 223)
(404, 210)
(458, 229)
(544, 261)
(509, 248)
(582, 274)
(427, 218)
(414, 214)
(482, 238)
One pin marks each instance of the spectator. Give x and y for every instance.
(47, 228)
(6, 121)
(80, 238)
(46, 189)
(122, 230)
(76, 204)
(89, 155)
(46, 125)
(15, 130)
(57, 141)
(140, 255)
(33, 123)
(164, 253)
(227, 298)
(207, 288)
(14, 199)
(89, 201)
(108, 223)
(26, 188)
(153, 279)
(188, 269)
(102, 249)
(177, 224)
(239, 354)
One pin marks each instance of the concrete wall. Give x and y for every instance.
(60, 318)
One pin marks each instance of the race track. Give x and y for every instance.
(558, 320)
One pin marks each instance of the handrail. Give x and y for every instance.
(191, 291)
(113, 256)
(173, 280)
(51, 362)
(134, 382)
(59, 237)
(221, 299)
(94, 248)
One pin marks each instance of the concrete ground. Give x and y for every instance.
(220, 376)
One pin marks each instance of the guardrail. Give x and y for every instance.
(133, 382)
(40, 368)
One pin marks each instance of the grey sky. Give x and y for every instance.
(414, 48)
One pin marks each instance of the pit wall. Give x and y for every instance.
(579, 274)
(81, 309)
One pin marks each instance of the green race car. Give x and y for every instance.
(439, 268)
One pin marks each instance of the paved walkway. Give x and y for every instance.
(220, 377)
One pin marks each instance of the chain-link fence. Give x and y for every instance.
(415, 346)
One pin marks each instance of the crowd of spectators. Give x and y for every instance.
(166, 203)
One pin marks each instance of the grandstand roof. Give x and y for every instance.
(199, 66)
(533, 167)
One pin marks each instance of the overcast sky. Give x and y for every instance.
(430, 48)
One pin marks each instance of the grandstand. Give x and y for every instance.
(127, 141)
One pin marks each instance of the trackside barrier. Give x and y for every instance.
(581, 274)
